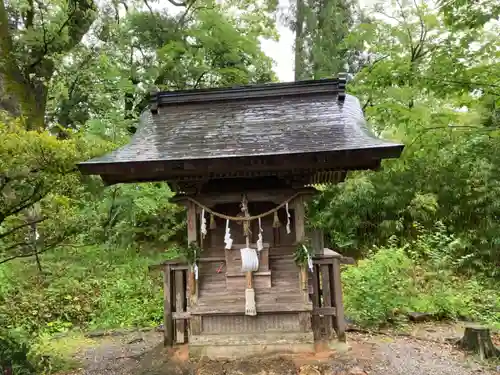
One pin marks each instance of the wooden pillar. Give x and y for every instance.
(192, 237)
(168, 323)
(327, 298)
(317, 241)
(300, 233)
(180, 296)
(336, 283)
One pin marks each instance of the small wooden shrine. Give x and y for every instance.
(244, 160)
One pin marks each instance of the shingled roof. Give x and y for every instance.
(241, 122)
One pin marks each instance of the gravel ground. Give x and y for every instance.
(408, 356)
(142, 353)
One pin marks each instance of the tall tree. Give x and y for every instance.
(435, 88)
(321, 27)
(34, 38)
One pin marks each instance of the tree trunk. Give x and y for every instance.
(478, 339)
(300, 58)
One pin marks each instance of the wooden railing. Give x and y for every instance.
(328, 308)
(175, 315)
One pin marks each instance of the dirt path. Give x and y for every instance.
(142, 353)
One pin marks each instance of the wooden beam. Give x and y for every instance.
(275, 196)
(342, 260)
(170, 170)
(173, 267)
(184, 315)
(326, 311)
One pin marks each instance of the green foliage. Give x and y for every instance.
(38, 188)
(469, 14)
(378, 287)
(133, 214)
(435, 94)
(33, 40)
(191, 252)
(302, 252)
(430, 80)
(83, 287)
(390, 283)
(14, 355)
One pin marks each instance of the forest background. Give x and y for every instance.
(75, 75)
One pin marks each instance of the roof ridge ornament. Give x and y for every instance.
(154, 100)
(342, 79)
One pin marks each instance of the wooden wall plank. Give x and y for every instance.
(195, 325)
(305, 321)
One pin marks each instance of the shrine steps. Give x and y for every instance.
(247, 344)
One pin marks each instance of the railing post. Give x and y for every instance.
(327, 298)
(328, 308)
(337, 296)
(180, 297)
(168, 322)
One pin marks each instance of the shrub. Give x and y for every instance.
(389, 283)
(378, 287)
(90, 287)
(14, 355)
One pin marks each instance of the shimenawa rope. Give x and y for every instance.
(242, 218)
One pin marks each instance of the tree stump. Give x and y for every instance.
(477, 339)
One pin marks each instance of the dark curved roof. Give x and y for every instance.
(255, 121)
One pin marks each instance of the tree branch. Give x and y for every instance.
(183, 16)
(5, 260)
(30, 15)
(77, 22)
(177, 3)
(56, 242)
(25, 203)
(148, 6)
(200, 78)
(9, 232)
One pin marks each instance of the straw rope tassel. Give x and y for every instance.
(203, 224)
(260, 240)
(276, 220)
(213, 224)
(227, 237)
(288, 230)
